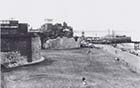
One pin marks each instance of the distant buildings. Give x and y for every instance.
(57, 30)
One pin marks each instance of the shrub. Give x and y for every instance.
(10, 58)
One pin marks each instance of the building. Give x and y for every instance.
(16, 38)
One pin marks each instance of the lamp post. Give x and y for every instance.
(48, 20)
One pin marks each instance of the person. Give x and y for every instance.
(117, 59)
(116, 52)
(84, 81)
(89, 51)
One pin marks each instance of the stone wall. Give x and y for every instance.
(36, 47)
(15, 58)
(62, 43)
(15, 48)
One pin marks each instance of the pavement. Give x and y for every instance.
(131, 60)
(36, 61)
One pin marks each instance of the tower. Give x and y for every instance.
(83, 34)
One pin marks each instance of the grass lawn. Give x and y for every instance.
(65, 69)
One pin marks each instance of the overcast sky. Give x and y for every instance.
(83, 15)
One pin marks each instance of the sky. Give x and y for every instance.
(83, 15)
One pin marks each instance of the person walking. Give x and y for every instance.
(84, 82)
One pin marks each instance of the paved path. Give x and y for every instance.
(132, 60)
